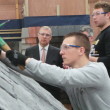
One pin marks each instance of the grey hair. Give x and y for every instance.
(46, 27)
(87, 29)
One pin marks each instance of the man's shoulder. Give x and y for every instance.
(96, 64)
(97, 67)
(33, 47)
(106, 30)
(54, 48)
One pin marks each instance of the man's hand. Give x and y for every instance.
(16, 58)
(2, 54)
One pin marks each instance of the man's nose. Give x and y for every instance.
(61, 52)
(94, 17)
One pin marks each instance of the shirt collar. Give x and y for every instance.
(46, 47)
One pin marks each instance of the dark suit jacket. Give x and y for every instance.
(53, 58)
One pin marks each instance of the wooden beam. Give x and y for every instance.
(17, 9)
(87, 7)
(26, 8)
(58, 10)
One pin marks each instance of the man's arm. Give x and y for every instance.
(4, 45)
(88, 76)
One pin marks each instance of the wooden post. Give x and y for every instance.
(58, 10)
(87, 7)
(17, 9)
(26, 8)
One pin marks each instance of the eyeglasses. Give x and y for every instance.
(44, 34)
(67, 46)
(98, 13)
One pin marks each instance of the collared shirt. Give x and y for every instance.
(40, 50)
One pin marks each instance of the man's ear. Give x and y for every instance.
(51, 37)
(82, 50)
(108, 14)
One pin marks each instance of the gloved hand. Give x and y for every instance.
(16, 58)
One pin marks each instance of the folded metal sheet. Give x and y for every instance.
(19, 92)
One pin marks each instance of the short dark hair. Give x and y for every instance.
(81, 40)
(102, 4)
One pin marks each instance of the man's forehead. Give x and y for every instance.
(44, 29)
(68, 40)
(98, 10)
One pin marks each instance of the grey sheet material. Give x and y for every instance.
(19, 92)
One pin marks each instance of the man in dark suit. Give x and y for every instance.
(52, 55)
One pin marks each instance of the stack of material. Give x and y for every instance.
(18, 92)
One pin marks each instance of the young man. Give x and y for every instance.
(101, 18)
(86, 83)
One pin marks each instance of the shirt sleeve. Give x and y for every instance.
(88, 76)
(2, 42)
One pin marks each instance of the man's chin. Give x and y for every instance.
(65, 63)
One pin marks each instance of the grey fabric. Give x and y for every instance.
(18, 92)
(88, 87)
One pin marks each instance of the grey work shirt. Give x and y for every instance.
(88, 87)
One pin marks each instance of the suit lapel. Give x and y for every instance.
(49, 54)
(36, 53)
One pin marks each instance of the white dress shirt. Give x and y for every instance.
(40, 50)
